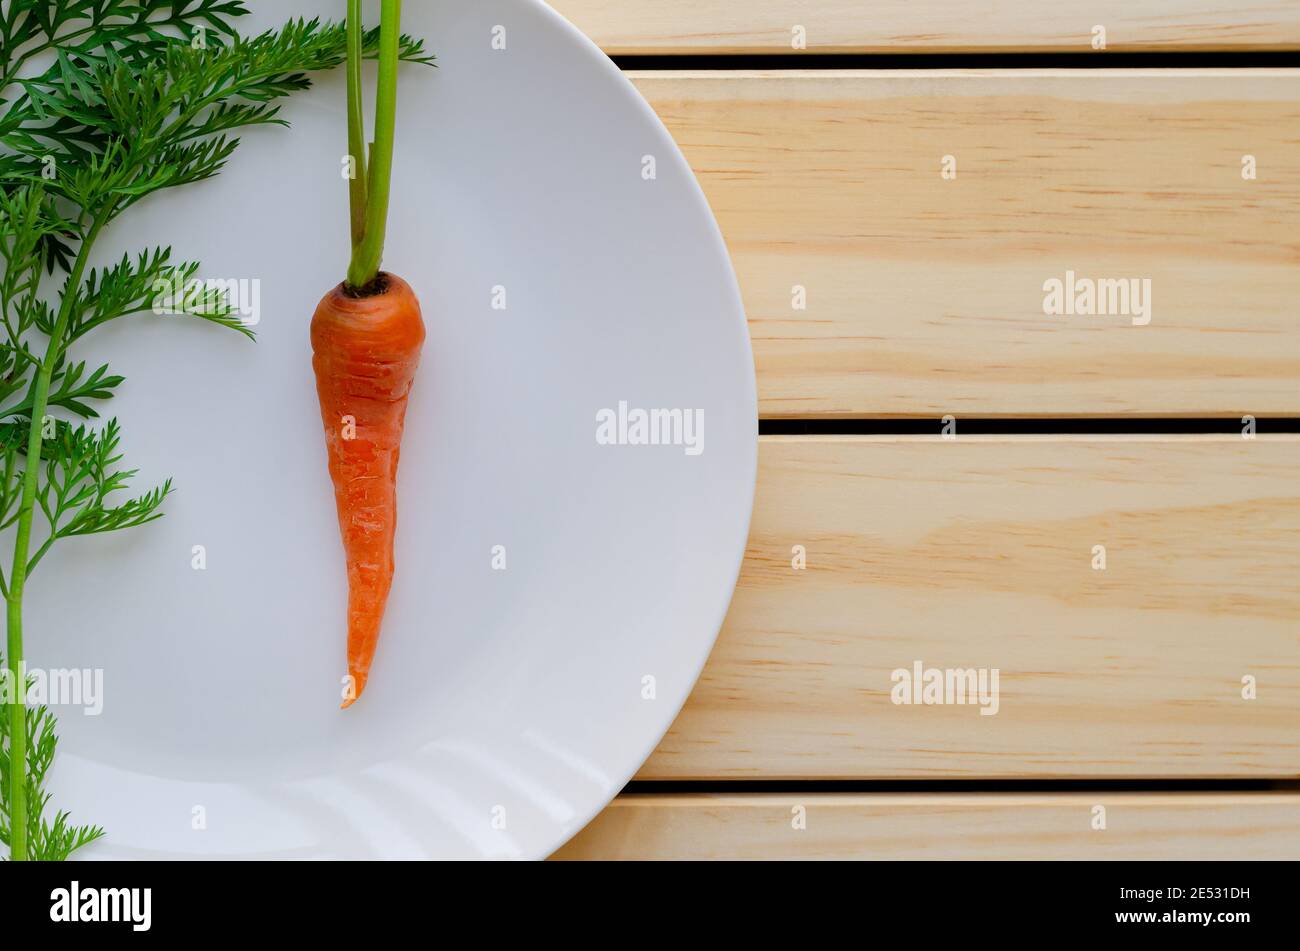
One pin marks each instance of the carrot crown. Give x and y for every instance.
(369, 186)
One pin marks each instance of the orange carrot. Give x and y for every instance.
(365, 341)
(366, 337)
(365, 354)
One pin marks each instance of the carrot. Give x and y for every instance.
(366, 337)
(365, 354)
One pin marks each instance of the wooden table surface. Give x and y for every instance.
(1110, 516)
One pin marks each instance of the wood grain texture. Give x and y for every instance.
(1261, 825)
(977, 553)
(897, 26)
(925, 296)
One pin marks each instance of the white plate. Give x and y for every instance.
(505, 708)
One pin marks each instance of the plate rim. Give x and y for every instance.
(583, 818)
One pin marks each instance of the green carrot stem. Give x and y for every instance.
(357, 185)
(367, 255)
(17, 707)
(17, 712)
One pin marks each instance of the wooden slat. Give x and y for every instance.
(976, 553)
(897, 26)
(925, 296)
(1260, 825)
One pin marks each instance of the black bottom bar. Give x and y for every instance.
(982, 901)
